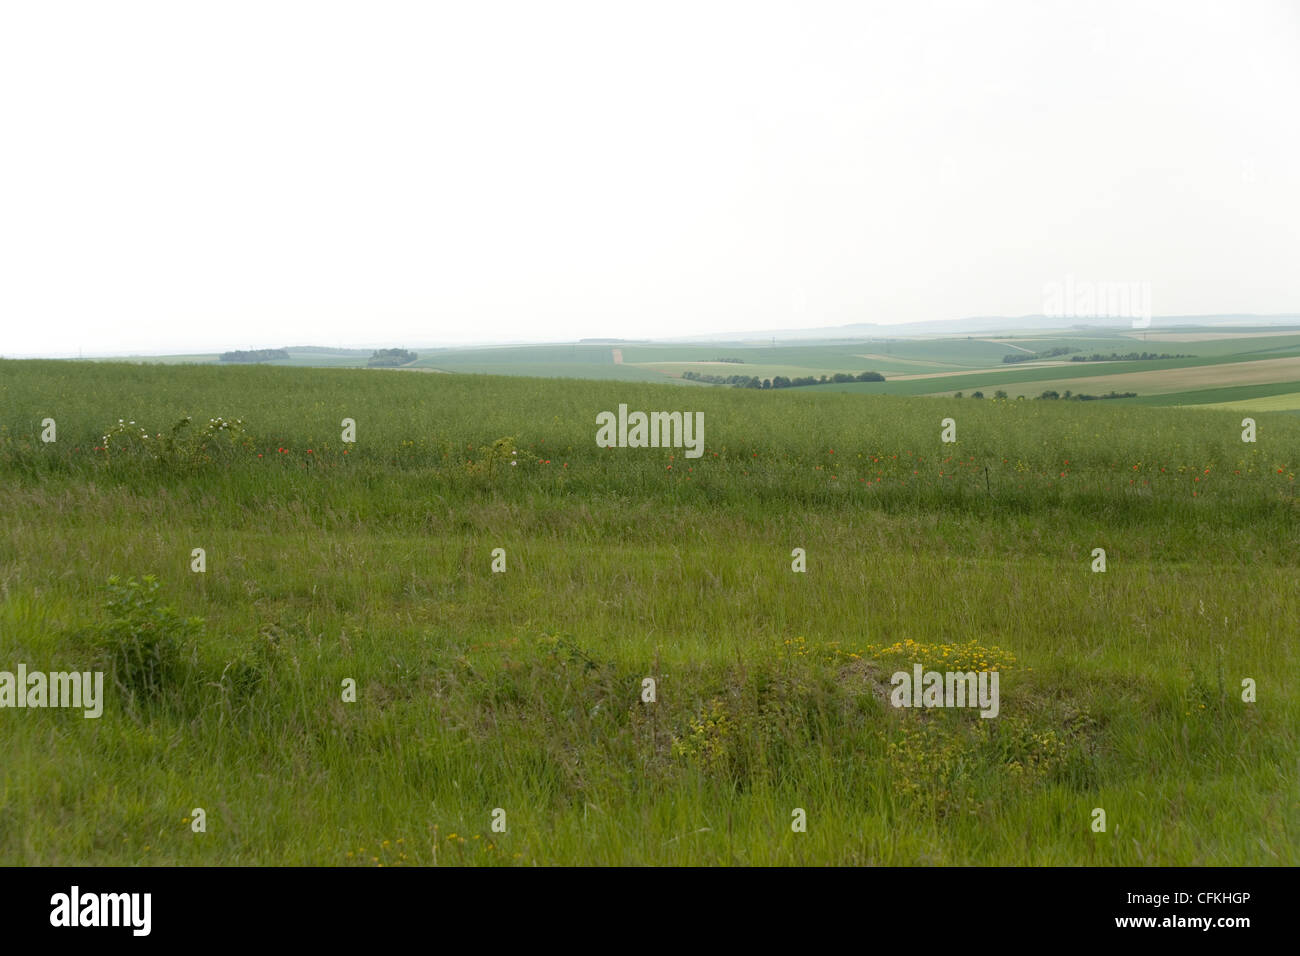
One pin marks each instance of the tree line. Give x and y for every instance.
(1052, 393)
(1094, 357)
(780, 381)
(1032, 356)
(254, 355)
(1128, 357)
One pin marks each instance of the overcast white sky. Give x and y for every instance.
(183, 176)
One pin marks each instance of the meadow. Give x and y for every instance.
(522, 690)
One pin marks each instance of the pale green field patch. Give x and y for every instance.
(1271, 403)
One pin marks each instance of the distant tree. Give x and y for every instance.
(958, 395)
(976, 394)
(1000, 394)
(391, 358)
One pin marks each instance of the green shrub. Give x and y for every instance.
(217, 440)
(499, 457)
(141, 643)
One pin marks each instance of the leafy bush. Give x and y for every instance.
(708, 737)
(219, 439)
(141, 644)
(500, 456)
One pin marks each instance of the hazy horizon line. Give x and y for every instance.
(1221, 320)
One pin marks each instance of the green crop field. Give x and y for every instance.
(1286, 401)
(397, 643)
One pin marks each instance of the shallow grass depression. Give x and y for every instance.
(473, 635)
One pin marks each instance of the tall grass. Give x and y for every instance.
(522, 690)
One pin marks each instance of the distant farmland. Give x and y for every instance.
(1215, 359)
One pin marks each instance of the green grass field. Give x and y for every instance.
(522, 691)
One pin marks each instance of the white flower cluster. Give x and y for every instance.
(126, 431)
(121, 428)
